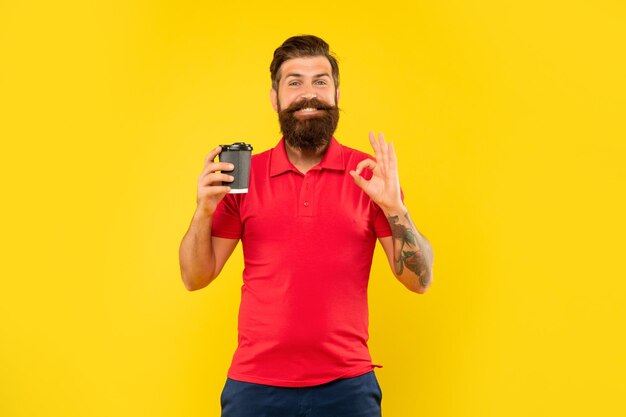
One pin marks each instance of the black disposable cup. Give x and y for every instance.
(238, 154)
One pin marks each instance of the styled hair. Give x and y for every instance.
(300, 47)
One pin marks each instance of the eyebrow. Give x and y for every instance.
(295, 74)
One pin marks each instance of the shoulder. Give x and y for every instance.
(353, 156)
(263, 156)
(261, 159)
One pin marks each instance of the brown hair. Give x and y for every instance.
(300, 47)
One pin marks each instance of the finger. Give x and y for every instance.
(393, 161)
(211, 155)
(366, 163)
(212, 180)
(384, 152)
(210, 158)
(212, 177)
(224, 166)
(218, 190)
(217, 166)
(358, 180)
(375, 145)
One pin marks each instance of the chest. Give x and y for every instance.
(324, 204)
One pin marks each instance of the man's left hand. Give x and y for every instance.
(384, 186)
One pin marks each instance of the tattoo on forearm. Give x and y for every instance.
(413, 258)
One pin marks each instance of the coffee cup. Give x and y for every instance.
(238, 154)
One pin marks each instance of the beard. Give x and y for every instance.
(310, 133)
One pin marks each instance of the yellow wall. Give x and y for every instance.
(508, 118)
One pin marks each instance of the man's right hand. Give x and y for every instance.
(210, 188)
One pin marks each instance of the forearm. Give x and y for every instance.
(197, 257)
(412, 253)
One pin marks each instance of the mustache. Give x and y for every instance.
(313, 103)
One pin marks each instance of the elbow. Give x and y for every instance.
(422, 284)
(195, 283)
(195, 277)
(423, 278)
(190, 286)
(418, 289)
(193, 286)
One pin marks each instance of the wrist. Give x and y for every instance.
(394, 210)
(202, 213)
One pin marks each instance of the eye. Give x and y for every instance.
(294, 83)
(320, 82)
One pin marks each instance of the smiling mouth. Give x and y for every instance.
(307, 111)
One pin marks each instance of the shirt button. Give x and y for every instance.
(306, 204)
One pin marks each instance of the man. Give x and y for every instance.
(308, 226)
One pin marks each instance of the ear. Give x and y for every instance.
(274, 99)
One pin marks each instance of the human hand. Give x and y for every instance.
(384, 186)
(210, 188)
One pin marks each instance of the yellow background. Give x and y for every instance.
(508, 118)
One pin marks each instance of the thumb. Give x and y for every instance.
(358, 180)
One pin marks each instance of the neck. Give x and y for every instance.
(304, 159)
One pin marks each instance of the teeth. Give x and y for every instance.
(308, 109)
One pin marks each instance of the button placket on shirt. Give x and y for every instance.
(306, 202)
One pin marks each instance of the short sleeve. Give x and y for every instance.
(227, 220)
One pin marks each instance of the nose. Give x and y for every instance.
(308, 93)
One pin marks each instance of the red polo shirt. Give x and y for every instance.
(308, 242)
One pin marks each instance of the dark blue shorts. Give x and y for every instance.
(350, 397)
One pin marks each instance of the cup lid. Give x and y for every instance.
(237, 146)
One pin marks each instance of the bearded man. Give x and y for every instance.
(308, 225)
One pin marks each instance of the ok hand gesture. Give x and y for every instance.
(384, 187)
